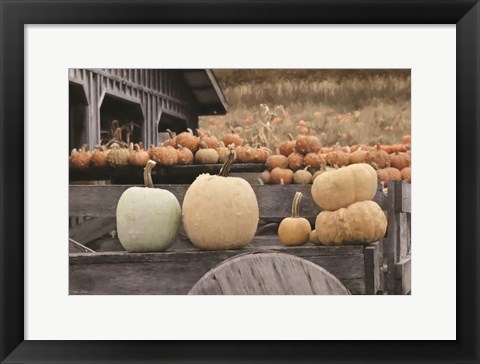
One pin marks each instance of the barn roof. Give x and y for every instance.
(206, 91)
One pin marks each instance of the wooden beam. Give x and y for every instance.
(372, 269)
(176, 271)
(403, 276)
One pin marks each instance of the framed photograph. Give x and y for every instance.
(218, 276)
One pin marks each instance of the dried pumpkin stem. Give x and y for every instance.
(147, 174)
(296, 204)
(228, 162)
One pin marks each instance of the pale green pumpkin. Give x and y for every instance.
(147, 218)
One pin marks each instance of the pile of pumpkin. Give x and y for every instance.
(349, 216)
(302, 159)
(221, 212)
(183, 149)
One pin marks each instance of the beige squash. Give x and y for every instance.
(220, 212)
(206, 155)
(360, 223)
(339, 188)
(294, 230)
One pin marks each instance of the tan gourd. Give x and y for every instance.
(358, 156)
(302, 176)
(315, 160)
(337, 157)
(100, 156)
(361, 222)
(287, 147)
(294, 230)
(210, 140)
(339, 188)
(276, 160)
(138, 156)
(313, 238)
(206, 155)
(406, 174)
(399, 160)
(164, 156)
(172, 142)
(295, 161)
(80, 159)
(307, 144)
(378, 157)
(233, 138)
(118, 156)
(220, 212)
(184, 155)
(188, 140)
(223, 153)
(281, 176)
(265, 178)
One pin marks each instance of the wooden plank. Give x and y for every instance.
(181, 252)
(403, 273)
(268, 274)
(390, 246)
(92, 229)
(152, 278)
(175, 272)
(83, 200)
(404, 236)
(372, 269)
(402, 195)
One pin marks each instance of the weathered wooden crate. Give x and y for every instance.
(362, 269)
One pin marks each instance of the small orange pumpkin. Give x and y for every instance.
(282, 176)
(80, 159)
(294, 230)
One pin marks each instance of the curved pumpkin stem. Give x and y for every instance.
(296, 204)
(147, 174)
(228, 163)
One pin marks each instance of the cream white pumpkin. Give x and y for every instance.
(147, 218)
(339, 188)
(220, 212)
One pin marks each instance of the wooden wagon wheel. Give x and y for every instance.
(268, 274)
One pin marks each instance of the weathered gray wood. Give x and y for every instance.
(372, 269)
(268, 274)
(397, 244)
(402, 195)
(92, 229)
(274, 201)
(106, 244)
(403, 276)
(404, 235)
(181, 268)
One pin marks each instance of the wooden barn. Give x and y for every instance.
(152, 99)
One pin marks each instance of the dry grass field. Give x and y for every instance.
(339, 106)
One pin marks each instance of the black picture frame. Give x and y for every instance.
(15, 14)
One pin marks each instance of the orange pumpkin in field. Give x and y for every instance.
(407, 139)
(287, 147)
